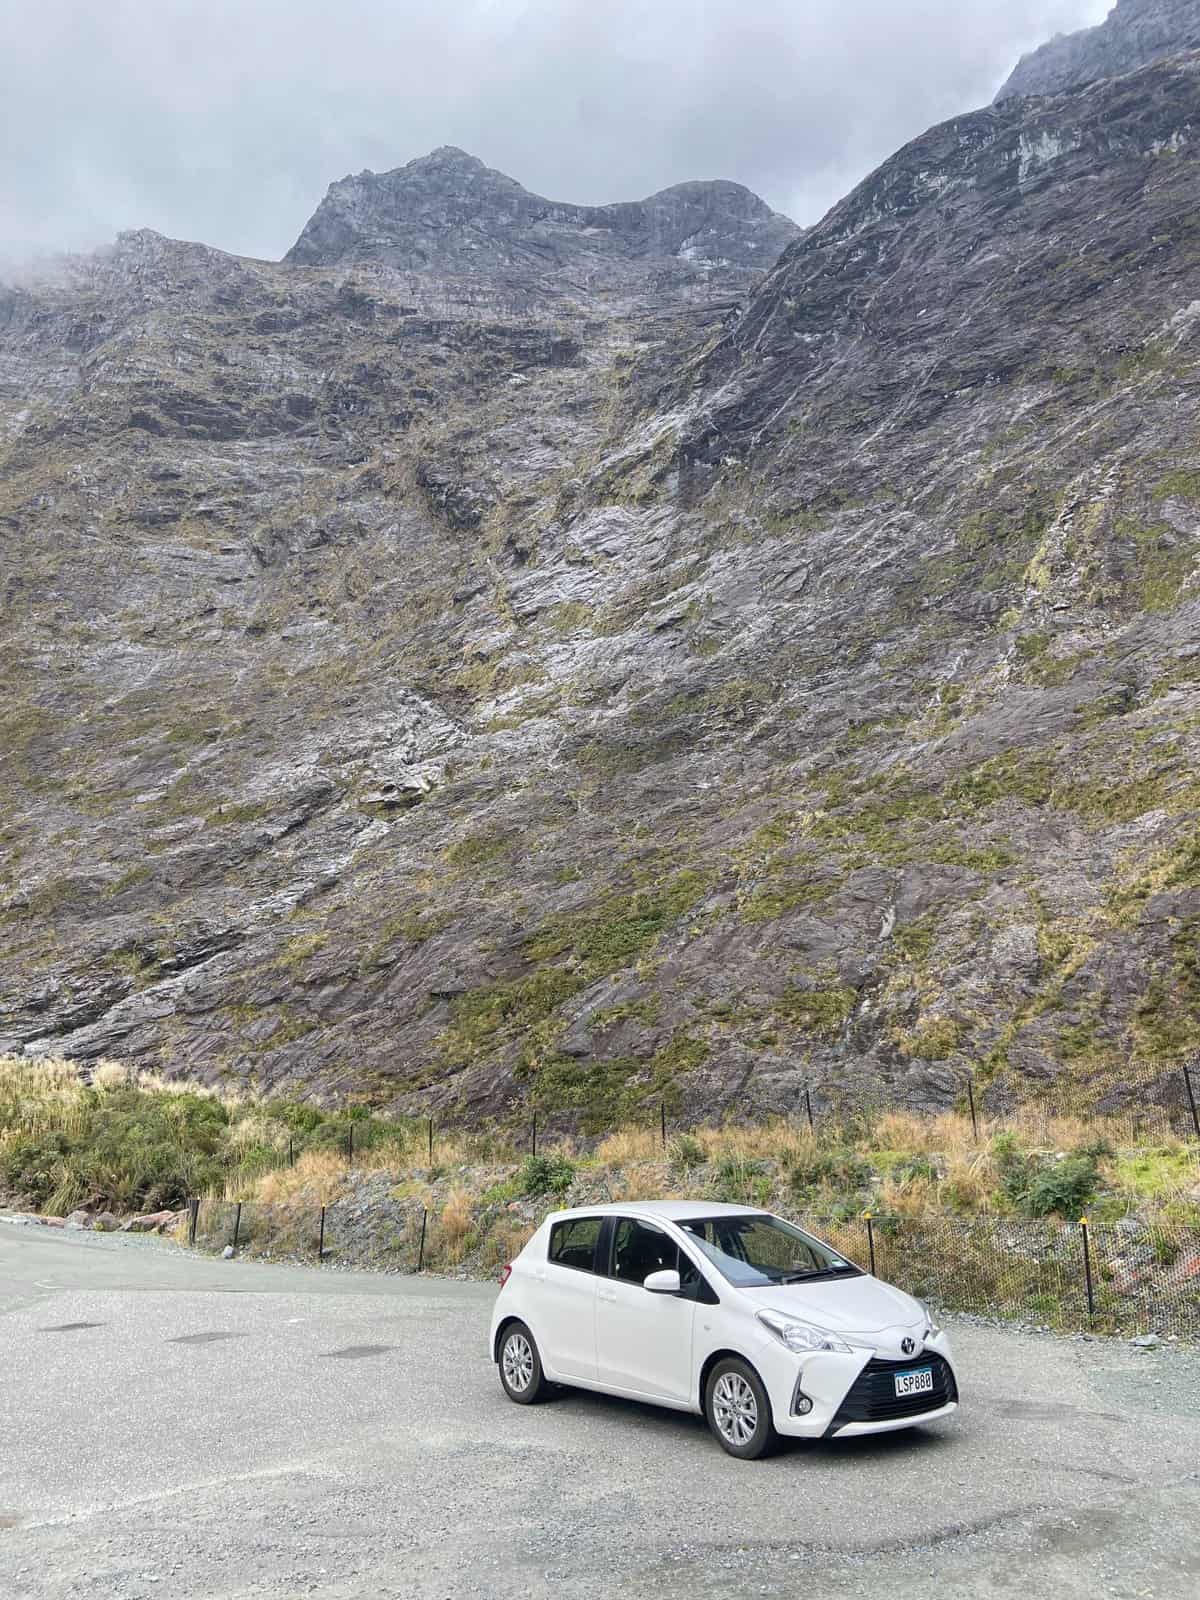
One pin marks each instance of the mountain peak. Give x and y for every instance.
(449, 152)
(1134, 34)
(447, 214)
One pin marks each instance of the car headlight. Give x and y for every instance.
(932, 1326)
(800, 1336)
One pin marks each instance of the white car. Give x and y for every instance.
(724, 1310)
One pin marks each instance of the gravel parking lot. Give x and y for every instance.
(174, 1426)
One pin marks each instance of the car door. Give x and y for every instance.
(564, 1295)
(643, 1340)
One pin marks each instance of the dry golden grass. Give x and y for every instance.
(776, 1140)
(53, 1083)
(319, 1176)
(1038, 1129)
(456, 1222)
(943, 1135)
(41, 1097)
(411, 1149)
(644, 1181)
(970, 1181)
(505, 1240)
(257, 1129)
(910, 1196)
(628, 1145)
(391, 1156)
(109, 1075)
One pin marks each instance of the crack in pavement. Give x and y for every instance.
(880, 1547)
(205, 1338)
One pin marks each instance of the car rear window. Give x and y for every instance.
(573, 1243)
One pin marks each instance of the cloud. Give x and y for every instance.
(224, 120)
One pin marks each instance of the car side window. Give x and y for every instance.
(691, 1279)
(573, 1243)
(638, 1249)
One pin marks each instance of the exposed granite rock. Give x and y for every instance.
(1134, 34)
(483, 680)
(449, 216)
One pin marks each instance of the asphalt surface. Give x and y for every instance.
(178, 1427)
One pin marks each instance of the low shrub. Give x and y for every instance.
(686, 1153)
(134, 1142)
(739, 1181)
(915, 1168)
(545, 1175)
(1064, 1188)
(828, 1167)
(1041, 1186)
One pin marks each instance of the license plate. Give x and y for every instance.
(919, 1382)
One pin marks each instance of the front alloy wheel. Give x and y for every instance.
(739, 1412)
(521, 1367)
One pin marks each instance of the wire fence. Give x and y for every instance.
(1135, 1103)
(1131, 1108)
(1130, 1104)
(1119, 1277)
(398, 1237)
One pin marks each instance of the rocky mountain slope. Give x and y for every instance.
(449, 216)
(1135, 33)
(433, 688)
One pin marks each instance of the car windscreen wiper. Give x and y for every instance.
(845, 1270)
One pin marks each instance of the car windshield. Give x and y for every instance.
(752, 1250)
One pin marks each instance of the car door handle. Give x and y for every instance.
(608, 1294)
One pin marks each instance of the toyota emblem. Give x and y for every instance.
(907, 1346)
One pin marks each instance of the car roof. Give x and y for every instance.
(664, 1210)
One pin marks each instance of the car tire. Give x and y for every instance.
(739, 1411)
(521, 1367)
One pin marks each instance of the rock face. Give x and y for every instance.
(449, 216)
(447, 685)
(1134, 34)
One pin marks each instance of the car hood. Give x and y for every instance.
(843, 1305)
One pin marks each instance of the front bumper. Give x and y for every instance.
(847, 1392)
(850, 1430)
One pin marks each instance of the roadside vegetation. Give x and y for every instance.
(132, 1142)
(135, 1142)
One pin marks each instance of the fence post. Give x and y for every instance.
(237, 1224)
(421, 1246)
(291, 1151)
(808, 1107)
(971, 1103)
(662, 1120)
(350, 1143)
(321, 1239)
(431, 1141)
(1087, 1270)
(533, 1135)
(1191, 1094)
(870, 1240)
(194, 1219)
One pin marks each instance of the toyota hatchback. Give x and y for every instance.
(722, 1310)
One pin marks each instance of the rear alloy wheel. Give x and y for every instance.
(738, 1410)
(521, 1366)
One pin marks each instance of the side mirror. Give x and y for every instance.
(666, 1282)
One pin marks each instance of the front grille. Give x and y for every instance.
(872, 1396)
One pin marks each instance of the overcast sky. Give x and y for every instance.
(225, 120)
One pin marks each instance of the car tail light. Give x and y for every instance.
(505, 1273)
